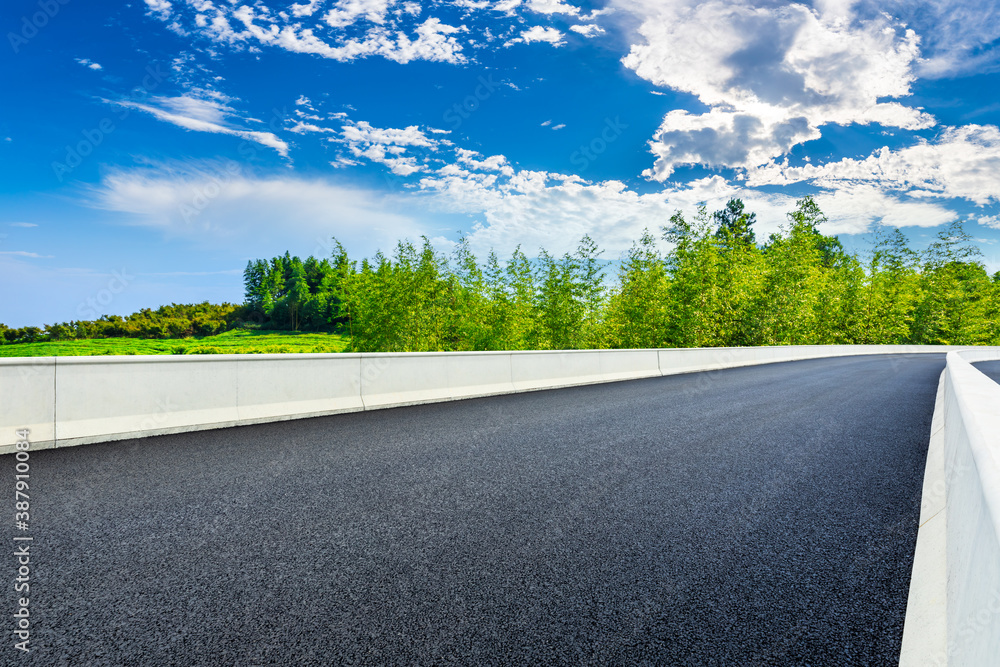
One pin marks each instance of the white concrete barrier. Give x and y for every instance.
(76, 400)
(27, 399)
(953, 611)
(395, 379)
(628, 364)
(281, 386)
(110, 398)
(543, 370)
(67, 401)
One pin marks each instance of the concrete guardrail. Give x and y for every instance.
(67, 401)
(953, 611)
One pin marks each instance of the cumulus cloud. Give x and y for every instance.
(89, 64)
(433, 41)
(553, 7)
(957, 37)
(349, 30)
(588, 29)
(542, 209)
(538, 34)
(539, 209)
(346, 30)
(159, 8)
(346, 12)
(962, 162)
(771, 75)
(363, 132)
(552, 210)
(386, 146)
(306, 9)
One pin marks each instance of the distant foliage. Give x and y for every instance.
(715, 286)
(173, 321)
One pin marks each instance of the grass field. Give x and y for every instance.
(231, 342)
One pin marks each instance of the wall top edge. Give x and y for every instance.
(181, 358)
(27, 361)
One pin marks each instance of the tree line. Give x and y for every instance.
(173, 321)
(714, 285)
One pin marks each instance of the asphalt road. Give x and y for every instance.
(990, 368)
(754, 516)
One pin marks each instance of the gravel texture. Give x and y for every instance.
(753, 516)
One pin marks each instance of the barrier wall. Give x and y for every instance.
(953, 613)
(68, 401)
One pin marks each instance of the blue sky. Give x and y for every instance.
(149, 149)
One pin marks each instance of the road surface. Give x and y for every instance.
(754, 516)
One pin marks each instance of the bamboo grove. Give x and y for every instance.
(715, 285)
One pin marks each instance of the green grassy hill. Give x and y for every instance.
(231, 342)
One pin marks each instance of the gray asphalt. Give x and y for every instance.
(990, 368)
(753, 516)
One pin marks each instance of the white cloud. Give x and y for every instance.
(553, 211)
(856, 208)
(957, 37)
(346, 30)
(386, 145)
(434, 42)
(399, 164)
(963, 162)
(302, 128)
(23, 224)
(588, 30)
(306, 9)
(90, 64)
(346, 12)
(772, 75)
(159, 8)
(992, 221)
(242, 26)
(209, 202)
(24, 253)
(204, 111)
(559, 126)
(538, 34)
(536, 209)
(493, 163)
(552, 7)
(364, 132)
